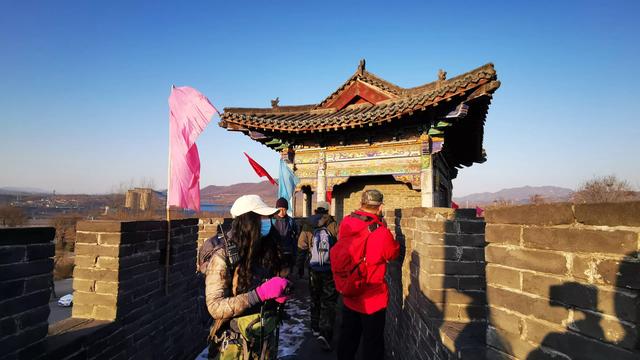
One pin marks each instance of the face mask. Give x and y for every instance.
(265, 227)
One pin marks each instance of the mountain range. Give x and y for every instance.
(14, 190)
(518, 195)
(226, 195)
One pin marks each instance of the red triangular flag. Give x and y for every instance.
(479, 211)
(454, 205)
(259, 169)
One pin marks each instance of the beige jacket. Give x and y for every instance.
(221, 301)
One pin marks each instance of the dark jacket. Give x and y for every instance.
(305, 241)
(288, 231)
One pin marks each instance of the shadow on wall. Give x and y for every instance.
(590, 322)
(446, 294)
(577, 300)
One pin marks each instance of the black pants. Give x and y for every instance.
(355, 325)
(323, 302)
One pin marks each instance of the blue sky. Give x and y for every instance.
(85, 83)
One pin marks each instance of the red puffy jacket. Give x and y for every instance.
(381, 248)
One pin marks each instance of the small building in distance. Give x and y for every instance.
(139, 199)
(407, 142)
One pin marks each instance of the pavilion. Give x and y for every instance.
(407, 142)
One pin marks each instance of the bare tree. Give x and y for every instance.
(501, 203)
(604, 189)
(65, 237)
(12, 216)
(537, 199)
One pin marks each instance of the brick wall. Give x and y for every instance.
(563, 281)
(437, 286)
(26, 268)
(208, 227)
(120, 307)
(396, 194)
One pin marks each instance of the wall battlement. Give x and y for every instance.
(562, 281)
(120, 308)
(546, 281)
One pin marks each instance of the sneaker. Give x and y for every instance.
(324, 344)
(315, 332)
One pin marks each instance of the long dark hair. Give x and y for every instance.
(254, 250)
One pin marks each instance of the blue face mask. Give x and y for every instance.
(265, 227)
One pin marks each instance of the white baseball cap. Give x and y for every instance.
(323, 205)
(254, 203)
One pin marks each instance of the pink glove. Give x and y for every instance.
(272, 289)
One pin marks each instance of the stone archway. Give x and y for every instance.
(397, 194)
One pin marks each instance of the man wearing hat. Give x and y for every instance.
(288, 231)
(317, 236)
(363, 315)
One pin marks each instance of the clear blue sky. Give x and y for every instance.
(85, 83)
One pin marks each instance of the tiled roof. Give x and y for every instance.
(311, 118)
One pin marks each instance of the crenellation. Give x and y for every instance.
(590, 309)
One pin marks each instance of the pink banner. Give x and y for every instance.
(189, 114)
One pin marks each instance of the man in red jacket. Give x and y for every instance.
(363, 315)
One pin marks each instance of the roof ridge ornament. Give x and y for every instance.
(442, 75)
(361, 66)
(275, 102)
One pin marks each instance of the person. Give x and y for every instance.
(242, 283)
(363, 314)
(319, 227)
(288, 230)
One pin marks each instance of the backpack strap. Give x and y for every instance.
(373, 224)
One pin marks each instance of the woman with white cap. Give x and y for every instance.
(242, 279)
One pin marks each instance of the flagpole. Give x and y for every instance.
(168, 242)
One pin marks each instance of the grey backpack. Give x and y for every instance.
(322, 243)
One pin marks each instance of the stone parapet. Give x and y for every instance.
(26, 277)
(563, 281)
(120, 306)
(437, 297)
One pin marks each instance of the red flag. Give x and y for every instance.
(454, 205)
(259, 169)
(479, 211)
(329, 196)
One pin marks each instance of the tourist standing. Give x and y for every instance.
(365, 234)
(288, 231)
(242, 282)
(316, 239)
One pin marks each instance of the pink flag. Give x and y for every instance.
(189, 114)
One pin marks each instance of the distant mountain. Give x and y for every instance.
(226, 195)
(14, 190)
(519, 195)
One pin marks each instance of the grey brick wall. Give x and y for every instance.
(26, 273)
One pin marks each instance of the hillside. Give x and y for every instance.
(519, 195)
(226, 195)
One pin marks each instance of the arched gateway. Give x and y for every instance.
(410, 142)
